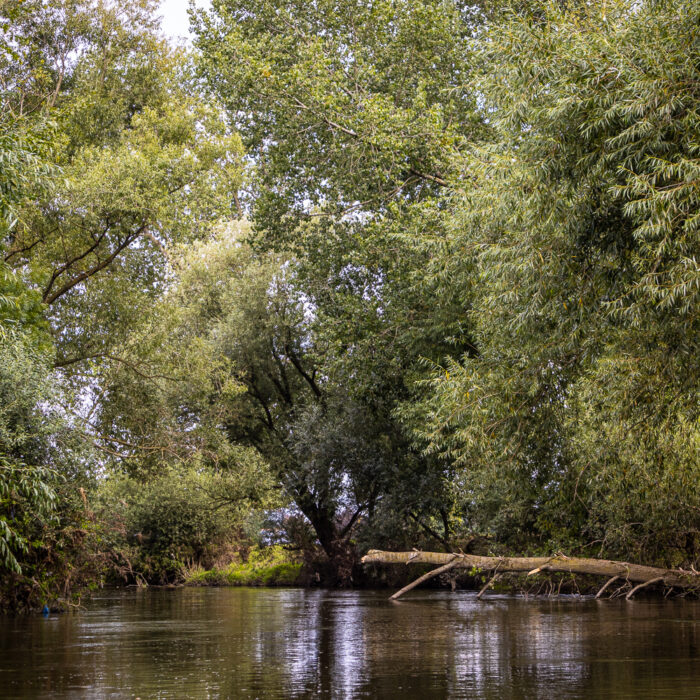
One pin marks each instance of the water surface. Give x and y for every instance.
(292, 643)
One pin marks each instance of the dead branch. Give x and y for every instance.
(435, 572)
(488, 585)
(634, 573)
(607, 583)
(642, 585)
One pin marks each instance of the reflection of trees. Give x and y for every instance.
(248, 643)
(518, 645)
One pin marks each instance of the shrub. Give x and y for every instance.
(174, 521)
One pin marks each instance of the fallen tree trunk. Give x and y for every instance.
(630, 573)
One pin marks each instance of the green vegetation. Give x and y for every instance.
(180, 516)
(382, 274)
(271, 566)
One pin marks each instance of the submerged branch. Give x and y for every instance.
(435, 572)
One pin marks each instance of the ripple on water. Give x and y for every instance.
(291, 643)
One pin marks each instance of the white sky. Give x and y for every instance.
(175, 20)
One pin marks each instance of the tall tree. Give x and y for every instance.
(266, 381)
(356, 114)
(146, 160)
(111, 153)
(578, 419)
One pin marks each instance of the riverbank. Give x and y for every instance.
(271, 566)
(276, 566)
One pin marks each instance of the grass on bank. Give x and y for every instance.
(268, 566)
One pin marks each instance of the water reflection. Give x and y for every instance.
(262, 643)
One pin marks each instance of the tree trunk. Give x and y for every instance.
(342, 556)
(635, 573)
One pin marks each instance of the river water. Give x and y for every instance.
(292, 643)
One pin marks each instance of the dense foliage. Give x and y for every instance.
(579, 417)
(530, 172)
(385, 272)
(182, 518)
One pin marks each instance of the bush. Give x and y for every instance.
(180, 519)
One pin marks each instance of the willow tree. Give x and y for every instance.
(578, 420)
(110, 154)
(266, 381)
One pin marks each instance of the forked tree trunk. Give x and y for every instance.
(632, 573)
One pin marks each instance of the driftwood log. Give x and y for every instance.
(614, 570)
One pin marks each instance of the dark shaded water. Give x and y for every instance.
(266, 643)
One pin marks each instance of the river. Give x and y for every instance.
(293, 643)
